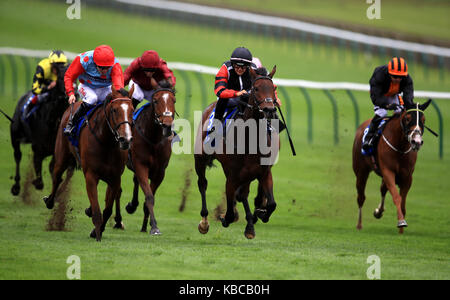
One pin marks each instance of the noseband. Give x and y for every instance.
(114, 130)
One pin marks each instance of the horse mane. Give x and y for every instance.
(165, 84)
(262, 71)
(122, 91)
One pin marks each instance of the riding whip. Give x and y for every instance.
(287, 131)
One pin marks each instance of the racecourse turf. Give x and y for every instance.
(311, 235)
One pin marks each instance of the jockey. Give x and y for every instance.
(387, 82)
(96, 70)
(233, 79)
(143, 71)
(45, 78)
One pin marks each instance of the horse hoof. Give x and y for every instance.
(49, 203)
(155, 231)
(94, 236)
(249, 234)
(88, 212)
(224, 222)
(38, 184)
(15, 190)
(203, 227)
(130, 208)
(119, 226)
(402, 223)
(378, 213)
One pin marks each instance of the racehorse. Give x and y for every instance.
(241, 169)
(394, 160)
(102, 151)
(39, 129)
(151, 150)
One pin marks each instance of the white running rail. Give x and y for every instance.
(213, 71)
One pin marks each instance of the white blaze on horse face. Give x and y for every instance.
(125, 108)
(167, 112)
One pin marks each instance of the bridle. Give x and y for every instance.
(114, 130)
(408, 133)
(253, 92)
(156, 117)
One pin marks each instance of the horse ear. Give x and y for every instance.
(130, 92)
(273, 71)
(425, 105)
(253, 74)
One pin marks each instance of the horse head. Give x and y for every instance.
(413, 122)
(163, 103)
(119, 115)
(262, 96)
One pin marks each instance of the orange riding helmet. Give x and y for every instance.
(398, 67)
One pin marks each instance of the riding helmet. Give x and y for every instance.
(398, 67)
(57, 56)
(241, 56)
(104, 56)
(149, 60)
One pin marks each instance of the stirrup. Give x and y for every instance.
(68, 129)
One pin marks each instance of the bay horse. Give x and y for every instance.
(39, 129)
(151, 150)
(103, 149)
(394, 160)
(241, 169)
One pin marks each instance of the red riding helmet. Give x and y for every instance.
(104, 56)
(149, 60)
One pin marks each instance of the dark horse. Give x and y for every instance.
(151, 150)
(39, 129)
(394, 160)
(103, 146)
(241, 169)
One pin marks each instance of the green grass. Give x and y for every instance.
(418, 18)
(312, 233)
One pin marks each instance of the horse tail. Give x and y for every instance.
(8, 117)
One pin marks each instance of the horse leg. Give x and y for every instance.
(141, 175)
(389, 179)
(37, 161)
(131, 206)
(91, 188)
(231, 195)
(361, 181)
(405, 185)
(112, 192)
(60, 166)
(15, 189)
(242, 196)
(378, 213)
(260, 203)
(118, 216)
(154, 186)
(267, 186)
(200, 169)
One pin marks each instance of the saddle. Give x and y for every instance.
(75, 137)
(25, 113)
(231, 113)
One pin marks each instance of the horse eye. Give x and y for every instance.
(256, 89)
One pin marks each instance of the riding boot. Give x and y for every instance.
(370, 136)
(220, 111)
(82, 110)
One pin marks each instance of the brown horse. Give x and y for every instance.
(151, 150)
(394, 160)
(241, 169)
(103, 146)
